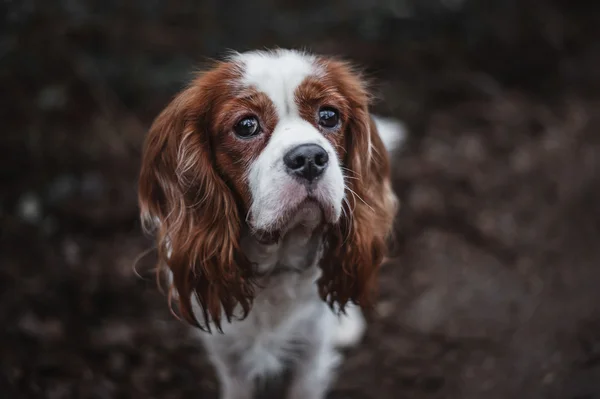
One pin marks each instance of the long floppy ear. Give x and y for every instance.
(355, 248)
(198, 227)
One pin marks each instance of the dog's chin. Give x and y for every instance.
(306, 216)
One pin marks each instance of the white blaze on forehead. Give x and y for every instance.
(277, 74)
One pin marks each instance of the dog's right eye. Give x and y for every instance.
(247, 127)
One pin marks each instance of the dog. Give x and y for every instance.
(267, 185)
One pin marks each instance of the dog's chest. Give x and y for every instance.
(283, 315)
(277, 329)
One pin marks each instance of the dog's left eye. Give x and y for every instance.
(247, 127)
(329, 117)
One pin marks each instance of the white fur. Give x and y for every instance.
(274, 191)
(350, 327)
(277, 74)
(391, 131)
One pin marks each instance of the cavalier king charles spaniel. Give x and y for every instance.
(267, 185)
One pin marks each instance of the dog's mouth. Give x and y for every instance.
(308, 215)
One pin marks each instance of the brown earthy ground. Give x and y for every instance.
(494, 290)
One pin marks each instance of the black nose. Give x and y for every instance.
(307, 161)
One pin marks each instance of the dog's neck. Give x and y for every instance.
(296, 249)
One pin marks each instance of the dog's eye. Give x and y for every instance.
(247, 127)
(328, 117)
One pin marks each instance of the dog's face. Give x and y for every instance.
(264, 141)
(299, 163)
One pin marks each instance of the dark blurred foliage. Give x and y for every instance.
(493, 292)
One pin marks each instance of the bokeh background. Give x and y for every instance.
(494, 289)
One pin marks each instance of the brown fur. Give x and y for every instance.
(355, 248)
(199, 207)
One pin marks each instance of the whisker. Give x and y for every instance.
(363, 201)
(340, 148)
(351, 171)
(350, 219)
(345, 200)
(353, 197)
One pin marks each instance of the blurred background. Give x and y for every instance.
(494, 291)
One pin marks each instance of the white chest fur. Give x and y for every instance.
(287, 312)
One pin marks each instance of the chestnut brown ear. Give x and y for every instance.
(355, 248)
(192, 209)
